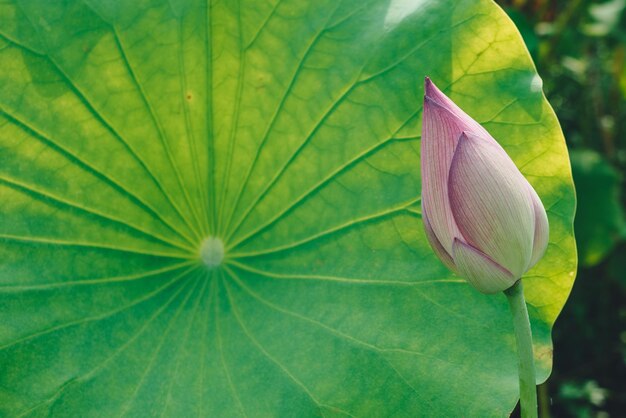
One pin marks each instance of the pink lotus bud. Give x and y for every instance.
(482, 217)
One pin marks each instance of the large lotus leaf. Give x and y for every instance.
(133, 130)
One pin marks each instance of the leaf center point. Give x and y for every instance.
(212, 252)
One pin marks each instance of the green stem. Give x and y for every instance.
(523, 335)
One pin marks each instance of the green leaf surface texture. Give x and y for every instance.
(288, 131)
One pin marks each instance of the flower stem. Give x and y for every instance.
(523, 335)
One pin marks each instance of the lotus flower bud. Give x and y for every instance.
(482, 217)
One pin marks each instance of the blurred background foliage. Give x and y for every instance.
(579, 47)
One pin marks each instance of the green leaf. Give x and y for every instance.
(131, 131)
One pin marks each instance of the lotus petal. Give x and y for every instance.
(542, 229)
(441, 252)
(490, 202)
(440, 132)
(443, 123)
(463, 120)
(482, 272)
